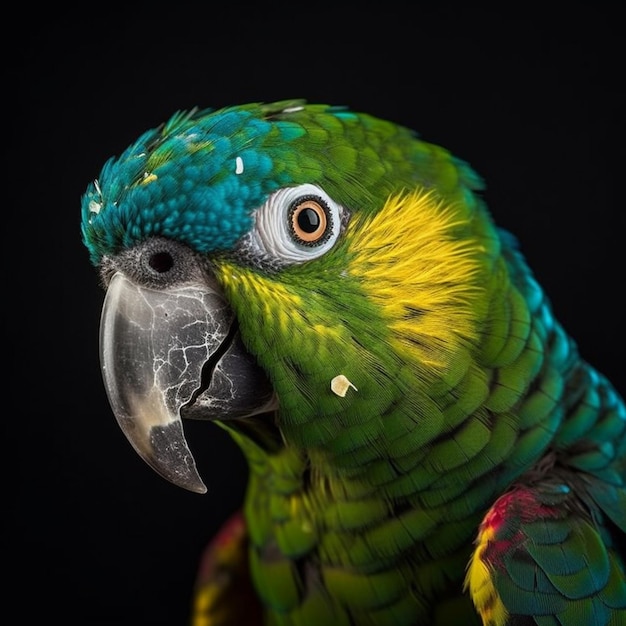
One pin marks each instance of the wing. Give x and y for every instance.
(543, 556)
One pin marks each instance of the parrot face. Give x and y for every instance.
(259, 257)
(331, 290)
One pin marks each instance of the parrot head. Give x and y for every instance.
(305, 275)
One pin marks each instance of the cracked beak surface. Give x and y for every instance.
(164, 352)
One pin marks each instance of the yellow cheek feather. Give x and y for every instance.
(277, 313)
(423, 262)
(274, 302)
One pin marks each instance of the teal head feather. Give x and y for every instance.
(198, 178)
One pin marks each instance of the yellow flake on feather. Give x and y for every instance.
(340, 385)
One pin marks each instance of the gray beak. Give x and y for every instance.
(165, 352)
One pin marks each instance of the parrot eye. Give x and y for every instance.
(310, 220)
(294, 225)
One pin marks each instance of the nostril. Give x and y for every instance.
(161, 262)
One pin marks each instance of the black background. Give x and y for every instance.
(535, 103)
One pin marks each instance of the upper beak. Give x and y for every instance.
(167, 352)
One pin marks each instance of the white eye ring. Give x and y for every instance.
(294, 225)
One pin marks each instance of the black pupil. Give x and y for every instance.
(308, 220)
(161, 262)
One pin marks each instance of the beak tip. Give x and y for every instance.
(195, 485)
(181, 475)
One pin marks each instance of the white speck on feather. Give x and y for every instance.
(340, 385)
(238, 165)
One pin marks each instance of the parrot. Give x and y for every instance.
(424, 443)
